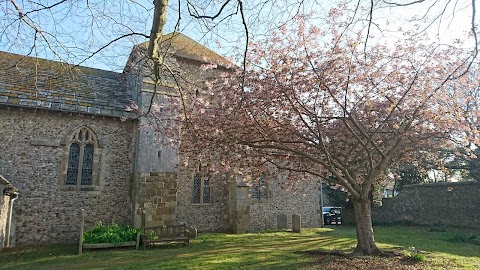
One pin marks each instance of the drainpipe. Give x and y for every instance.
(10, 218)
(321, 204)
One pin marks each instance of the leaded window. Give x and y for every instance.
(73, 160)
(80, 158)
(197, 188)
(254, 192)
(259, 189)
(262, 187)
(201, 188)
(206, 190)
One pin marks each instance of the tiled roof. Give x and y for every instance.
(180, 45)
(39, 83)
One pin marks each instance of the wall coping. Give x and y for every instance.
(441, 184)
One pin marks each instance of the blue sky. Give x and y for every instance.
(75, 30)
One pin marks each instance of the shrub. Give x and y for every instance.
(111, 233)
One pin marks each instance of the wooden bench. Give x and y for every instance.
(171, 233)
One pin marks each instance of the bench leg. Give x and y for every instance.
(137, 242)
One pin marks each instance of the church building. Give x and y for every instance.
(70, 140)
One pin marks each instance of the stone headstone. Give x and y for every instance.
(282, 221)
(296, 223)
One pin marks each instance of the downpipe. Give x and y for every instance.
(10, 213)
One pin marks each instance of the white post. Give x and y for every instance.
(321, 202)
(81, 232)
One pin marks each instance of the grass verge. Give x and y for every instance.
(265, 250)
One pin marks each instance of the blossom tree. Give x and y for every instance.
(316, 102)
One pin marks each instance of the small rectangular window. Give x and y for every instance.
(259, 189)
(196, 188)
(201, 189)
(255, 192)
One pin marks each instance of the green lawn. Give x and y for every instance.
(266, 250)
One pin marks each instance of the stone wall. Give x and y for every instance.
(233, 210)
(155, 199)
(446, 203)
(239, 207)
(154, 153)
(302, 199)
(213, 216)
(31, 147)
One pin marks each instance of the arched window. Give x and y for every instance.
(80, 168)
(81, 153)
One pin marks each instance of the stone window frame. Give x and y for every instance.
(96, 179)
(259, 190)
(202, 174)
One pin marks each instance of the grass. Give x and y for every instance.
(266, 250)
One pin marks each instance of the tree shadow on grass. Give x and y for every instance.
(333, 260)
(413, 236)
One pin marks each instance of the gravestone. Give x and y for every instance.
(296, 223)
(282, 221)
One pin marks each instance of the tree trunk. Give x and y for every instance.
(363, 219)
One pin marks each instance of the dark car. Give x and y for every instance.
(332, 215)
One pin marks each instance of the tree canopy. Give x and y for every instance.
(314, 102)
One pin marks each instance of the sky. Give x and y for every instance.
(74, 30)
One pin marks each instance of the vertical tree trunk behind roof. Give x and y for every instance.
(159, 20)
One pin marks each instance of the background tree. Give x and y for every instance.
(335, 196)
(408, 174)
(464, 102)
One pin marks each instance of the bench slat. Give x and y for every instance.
(171, 233)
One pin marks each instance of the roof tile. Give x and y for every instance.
(39, 83)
